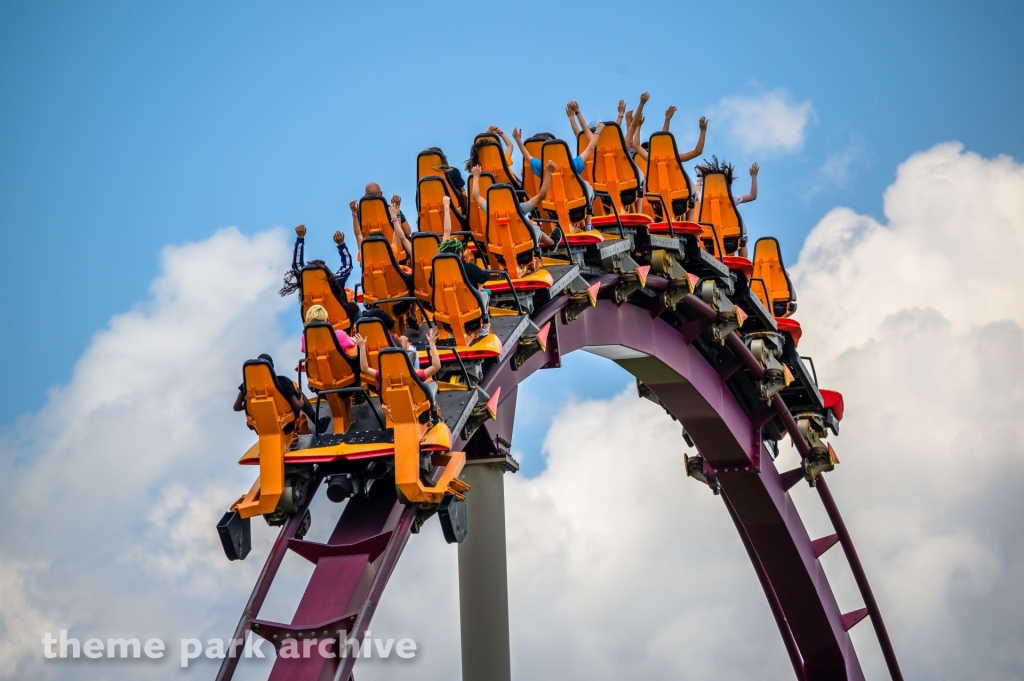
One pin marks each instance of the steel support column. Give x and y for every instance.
(483, 577)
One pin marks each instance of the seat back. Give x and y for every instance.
(777, 293)
(382, 277)
(477, 216)
(430, 192)
(492, 160)
(614, 171)
(509, 241)
(424, 248)
(266, 409)
(316, 290)
(531, 183)
(566, 197)
(377, 337)
(375, 218)
(405, 395)
(458, 306)
(431, 163)
(666, 176)
(717, 208)
(588, 166)
(328, 367)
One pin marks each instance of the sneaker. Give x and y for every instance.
(323, 424)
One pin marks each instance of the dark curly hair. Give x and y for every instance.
(293, 280)
(716, 166)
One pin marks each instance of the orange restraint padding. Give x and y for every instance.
(614, 171)
(531, 183)
(377, 338)
(316, 290)
(566, 196)
(666, 177)
(509, 241)
(382, 276)
(493, 161)
(424, 248)
(459, 309)
(582, 142)
(430, 208)
(328, 367)
(430, 163)
(477, 216)
(268, 413)
(717, 208)
(375, 218)
(770, 280)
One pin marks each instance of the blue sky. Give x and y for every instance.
(125, 127)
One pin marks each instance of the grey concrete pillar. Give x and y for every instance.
(483, 575)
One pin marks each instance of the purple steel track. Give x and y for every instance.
(352, 569)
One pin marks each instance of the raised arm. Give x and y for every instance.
(637, 115)
(517, 135)
(594, 136)
(699, 149)
(583, 124)
(364, 365)
(669, 113)
(406, 227)
(300, 239)
(752, 196)
(622, 112)
(447, 218)
(435, 359)
(504, 138)
(545, 185)
(355, 225)
(640, 151)
(570, 112)
(476, 188)
(399, 241)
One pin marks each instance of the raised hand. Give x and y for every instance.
(598, 128)
(446, 200)
(670, 112)
(359, 340)
(300, 231)
(476, 170)
(339, 237)
(517, 134)
(397, 200)
(432, 335)
(703, 123)
(550, 166)
(753, 170)
(629, 119)
(573, 106)
(493, 129)
(644, 97)
(622, 107)
(354, 206)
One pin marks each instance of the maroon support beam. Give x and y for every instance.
(862, 579)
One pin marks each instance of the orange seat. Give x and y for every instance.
(375, 218)
(718, 209)
(407, 397)
(477, 216)
(428, 163)
(667, 181)
(383, 278)
(566, 197)
(424, 248)
(492, 160)
(614, 172)
(510, 243)
(459, 308)
(316, 290)
(430, 192)
(328, 367)
(531, 183)
(790, 327)
(271, 416)
(770, 280)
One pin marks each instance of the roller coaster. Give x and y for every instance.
(642, 271)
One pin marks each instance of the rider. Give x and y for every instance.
(295, 398)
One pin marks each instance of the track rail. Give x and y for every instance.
(353, 568)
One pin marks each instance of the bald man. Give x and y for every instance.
(373, 189)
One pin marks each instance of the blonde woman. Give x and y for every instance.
(318, 313)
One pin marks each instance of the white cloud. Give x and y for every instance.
(917, 321)
(837, 170)
(769, 123)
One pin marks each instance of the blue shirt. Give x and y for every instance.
(577, 163)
